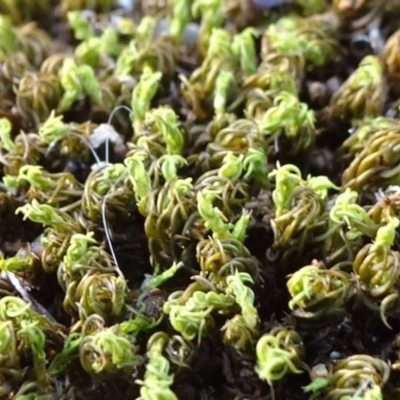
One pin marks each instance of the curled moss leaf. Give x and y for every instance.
(222, 85)
(288, 178)
(53, 128)
(108, 352)
(213, 217)
(19, 263)
(80, 25)
(211, 13)
(127, 58)
(138, 175)
(180, 16)
(26, 331)
(70, 82)
(377, 268)
(244, 297)
(310, 39)
(47, 216)
(278, 353)
(362, 94)
(360, 376)
(5, 134)
(157, 378)
(292, 118)
(143, 94)
(255, 165)
(166, 121)
(376, 165)
(169, 165)
(317, 292)
(232, 166)
(244, 47)
(346, 210)
(6, 28)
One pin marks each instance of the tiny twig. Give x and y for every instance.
(361, 389)
(19, 285)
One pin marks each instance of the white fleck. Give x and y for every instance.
(104, 133)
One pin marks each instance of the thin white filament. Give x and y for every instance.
(107, 231)
(121, 107)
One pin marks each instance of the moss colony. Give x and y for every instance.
(200, 200)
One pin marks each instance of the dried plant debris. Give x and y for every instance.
(200, 200)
